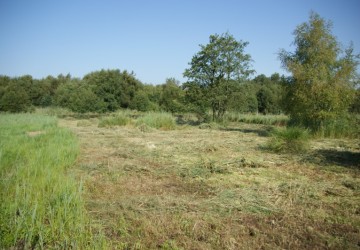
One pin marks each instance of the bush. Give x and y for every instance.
(289, 140)
(162, 120)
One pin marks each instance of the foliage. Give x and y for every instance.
(116, 89)
(164, 121)
(172, 96)
(40, 205)
(216, 69)
(14, 99)
(78, 98)
(321, 89)
(355, 106)
(289, 140)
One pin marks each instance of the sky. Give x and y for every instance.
(155, 39)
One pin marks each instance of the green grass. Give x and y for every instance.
(40, 204)
(257, 118)
(118, 119)
(163, 121)
(290, 140)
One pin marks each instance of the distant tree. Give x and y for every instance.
(321, 89)
(172, 96)
(141, 102)
(78, 97)
(15, 99)
(115, 88)
(215, 69)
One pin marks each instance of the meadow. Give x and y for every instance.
(153, 181)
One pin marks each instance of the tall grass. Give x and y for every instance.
(164, 121)
(257, 118)
(120, 118)
(289, 140)
(40, 205)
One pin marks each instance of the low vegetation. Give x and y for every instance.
(163, 121)
(41, 205)
(290, 140)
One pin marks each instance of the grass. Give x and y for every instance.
(163, 121)
(257, 118)
(118, 119)
(290, 140)
(194, 188)
(41, 205)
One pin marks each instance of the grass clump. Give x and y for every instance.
(164, 121)
(119, 119)
(289, 140)
(40, 205)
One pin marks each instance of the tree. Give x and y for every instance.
(78, 97)
(172, 96)
(15, 99)
(216, 68)
(115, 88)
(321, 87)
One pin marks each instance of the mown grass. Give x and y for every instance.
(194, 188)
(41, 206)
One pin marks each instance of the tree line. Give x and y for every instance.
(322, 86)
(109, 90)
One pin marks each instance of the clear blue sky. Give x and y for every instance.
(155, 39)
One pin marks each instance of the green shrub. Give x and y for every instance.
(289, 140)
(161, 120)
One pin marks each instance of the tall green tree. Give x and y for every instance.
(216, 69)
(321, 88)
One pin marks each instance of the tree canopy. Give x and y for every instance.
(216, 68)
(322, 74)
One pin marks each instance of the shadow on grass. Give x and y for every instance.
(335, 157)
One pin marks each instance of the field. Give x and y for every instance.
(207, 187)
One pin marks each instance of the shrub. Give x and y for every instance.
(289, 140)
(161, 120)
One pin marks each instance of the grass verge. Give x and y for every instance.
(40, 205)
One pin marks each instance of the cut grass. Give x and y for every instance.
(40, 205)
(194, 188)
